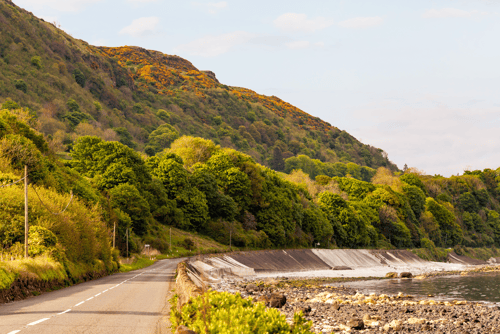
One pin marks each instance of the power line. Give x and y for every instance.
(11, 184)
(55, 214)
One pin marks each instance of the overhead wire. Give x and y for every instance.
(11, 184)
(55, 214)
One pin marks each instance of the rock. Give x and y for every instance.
(391, 275)
(336, 306)
(355, 323)
(367, 317)
(395, 325)
(184, 330)
(417, 321)
(304, 309)
(341, 268)
(251, 288)
(277, 300)
(405, 274)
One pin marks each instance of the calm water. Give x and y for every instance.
(473, 288)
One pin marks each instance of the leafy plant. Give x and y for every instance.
(223, 312)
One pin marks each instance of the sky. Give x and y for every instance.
(419, 79)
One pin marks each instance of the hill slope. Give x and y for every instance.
(146, 99)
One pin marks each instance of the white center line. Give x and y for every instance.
(14, 332)
(89, 299)
(105, 290)
(98, 294)
(79, 304)
(37, 322)
(64, 312)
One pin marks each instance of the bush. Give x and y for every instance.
(188, 244)
(10, 105)
(21, 85)
(72, 105)
(79, 77)
(36, 61)
(223, 312)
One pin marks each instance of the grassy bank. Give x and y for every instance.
(441, 254)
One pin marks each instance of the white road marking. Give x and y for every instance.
(14, 332)
(79, 304)
(64, 312)
(105, 290)
(37, 322)
(89, 299)
(98, 294)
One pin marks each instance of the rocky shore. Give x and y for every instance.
(338, 309)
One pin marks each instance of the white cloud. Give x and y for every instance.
(361, 22)
(60, 5)
(142, 27)
(293, 22)
(211, 46)
(451, 12)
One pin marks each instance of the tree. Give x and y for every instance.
(277, 163)
(79, 77)
(193, 149)
(110, 163)
(161, 138)
(219, 205)
(36, 61)
(127, 198)
(21, 85)
(173, 176)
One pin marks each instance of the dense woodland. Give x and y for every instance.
(199, 186)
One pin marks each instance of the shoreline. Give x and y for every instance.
(338, 308)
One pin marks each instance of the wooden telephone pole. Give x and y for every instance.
(26, 224)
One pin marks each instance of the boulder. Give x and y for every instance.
(277, 300)
(251, 288)
(355, 323)
(405, 275)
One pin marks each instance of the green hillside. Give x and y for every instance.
(147, 142)
(146, 99)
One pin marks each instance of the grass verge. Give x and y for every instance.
(138, 262)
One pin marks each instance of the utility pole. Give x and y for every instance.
(26, 224)
(127, 243)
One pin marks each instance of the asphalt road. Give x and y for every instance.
(134, 302)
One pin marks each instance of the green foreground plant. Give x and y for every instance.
(223, 312)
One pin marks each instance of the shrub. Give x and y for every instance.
(223, 312)
(10, 105)
(72, 105)
(36, 61)
(79, 77)
(188, 243)
(21, 85)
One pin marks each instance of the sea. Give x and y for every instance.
(477, 287)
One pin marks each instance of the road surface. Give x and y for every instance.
(134, 302)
